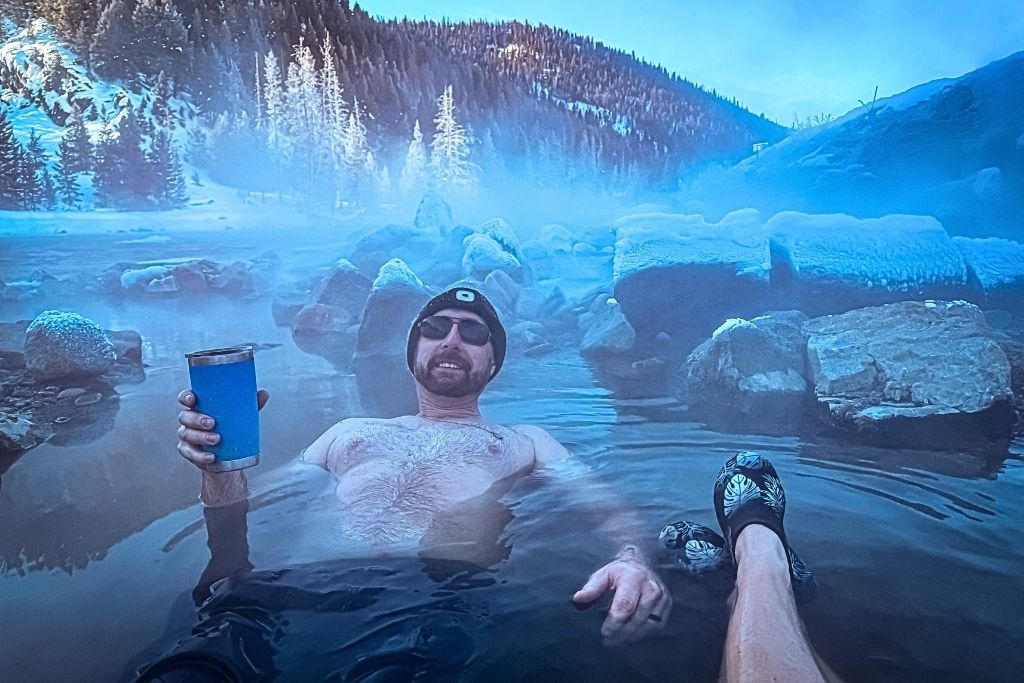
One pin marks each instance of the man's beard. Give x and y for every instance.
(454, 384)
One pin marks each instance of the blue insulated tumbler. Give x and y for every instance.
(224, 382)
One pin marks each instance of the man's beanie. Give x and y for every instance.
(471, 300)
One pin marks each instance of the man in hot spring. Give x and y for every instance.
(420, 485)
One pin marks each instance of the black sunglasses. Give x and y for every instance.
(471, 331)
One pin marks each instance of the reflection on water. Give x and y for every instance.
(917, 552)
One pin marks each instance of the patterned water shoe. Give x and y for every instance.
(694, 547)
(748, 491)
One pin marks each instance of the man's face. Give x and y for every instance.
(451, 367)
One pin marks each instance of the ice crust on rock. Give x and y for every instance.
(484, 254)
(995, 263)
(502, 233)
(394, 274)
(895, 252)
(655, 240)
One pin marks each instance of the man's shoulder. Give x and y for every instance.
(546, 447)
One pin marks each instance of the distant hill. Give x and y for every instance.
(538, 101)
(952, 148)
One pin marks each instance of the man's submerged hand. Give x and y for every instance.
(641, 604)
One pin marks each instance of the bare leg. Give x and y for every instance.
(766, 640)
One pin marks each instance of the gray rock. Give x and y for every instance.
(501, 290)
(911, 372)
(751, 373)
(610, 348)
(59, 343)
(17, 435)
(386, 387)
(413, 245)
(335, 303)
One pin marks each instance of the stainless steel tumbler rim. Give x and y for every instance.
(232, 465)
(235, 354)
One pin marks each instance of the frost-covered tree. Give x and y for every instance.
(449, 150)
(355, 150)
(415, 174)
(302, 118)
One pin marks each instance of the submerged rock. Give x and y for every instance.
(911, 372)
(59, 343)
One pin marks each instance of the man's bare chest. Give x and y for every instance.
(437, 456)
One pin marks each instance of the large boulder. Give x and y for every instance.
(336, 302)
(59, 343)
(386, 387)
(750, 373)
(412, 244)
(996, 268)
(913, 373)
(677, 274)
(835, 263)
(609, 346)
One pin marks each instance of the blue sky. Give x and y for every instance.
(777, 57)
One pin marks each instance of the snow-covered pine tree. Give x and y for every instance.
(449, 150)
(354, 151)
(335, 114)
(303, 118)
(415, 175)
(274, 103)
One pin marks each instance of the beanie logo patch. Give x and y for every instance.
(465, 295)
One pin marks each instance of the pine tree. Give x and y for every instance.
(449, 150)
(112, 39)
(414, 178)
(274, 101)
(67, 186)
(47, 192)
(12, 162)
(75, 149)
(159, 38)
(35, 166)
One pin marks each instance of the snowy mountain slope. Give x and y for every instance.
(952, 148)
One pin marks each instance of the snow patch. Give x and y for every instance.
(996, 263)
(733, 323)
(657, 240)
(896, 252)
(394, 274)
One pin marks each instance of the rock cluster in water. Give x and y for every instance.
(57, 378)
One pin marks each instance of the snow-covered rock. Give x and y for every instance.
(484, 255)
(915, 372)
(750, 373)
(502, 233)
(996, 267)
(59, 343)
(386, 387)
(835, 263)
(678, 274)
